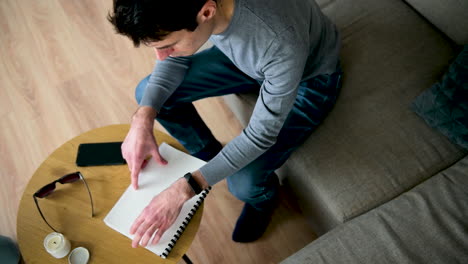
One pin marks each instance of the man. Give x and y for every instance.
(286, 50)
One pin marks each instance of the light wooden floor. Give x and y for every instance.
(63, 71)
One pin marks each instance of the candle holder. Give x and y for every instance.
(57, 245)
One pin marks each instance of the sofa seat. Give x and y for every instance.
(427, 224)
(372, 147)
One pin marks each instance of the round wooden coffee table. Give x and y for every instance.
(68, 208)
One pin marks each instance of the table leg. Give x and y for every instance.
(186, 259)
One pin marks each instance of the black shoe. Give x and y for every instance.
(209, 151)
(251, 224)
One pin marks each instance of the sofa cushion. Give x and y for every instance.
(444, 106)
(450, 16)
(372, 147)
(425, 225)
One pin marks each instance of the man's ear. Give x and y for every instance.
(207, 12)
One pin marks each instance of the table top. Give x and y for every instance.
(68, 208)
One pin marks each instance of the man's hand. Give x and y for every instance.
(140, 143)
(160, 213)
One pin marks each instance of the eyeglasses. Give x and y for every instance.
(49, 188)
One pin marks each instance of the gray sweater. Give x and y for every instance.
(278, 42)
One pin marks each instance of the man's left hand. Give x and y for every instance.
(160, 213)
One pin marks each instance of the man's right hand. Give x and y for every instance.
(140, 143)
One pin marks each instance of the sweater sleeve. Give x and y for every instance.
(164, 80)
(283, 66)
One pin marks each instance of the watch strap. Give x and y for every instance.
(193, 184)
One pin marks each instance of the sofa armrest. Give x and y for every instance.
(425, 225)
(449, 16)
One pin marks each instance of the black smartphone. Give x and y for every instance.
(97, 154)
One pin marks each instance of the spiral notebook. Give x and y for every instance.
(153, 179)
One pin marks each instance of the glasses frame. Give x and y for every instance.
(54, 182)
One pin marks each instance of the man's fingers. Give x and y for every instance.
(129, 162)
(136, 241)
(158, 235)
(162, 229)
(134, 174)
(136, 224)
(143, 165)
(158, 158)
(148, 234)
(139, 234)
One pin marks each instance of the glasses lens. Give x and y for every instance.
(46, 190)
(69, 178)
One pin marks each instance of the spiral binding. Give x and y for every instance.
(181, 228)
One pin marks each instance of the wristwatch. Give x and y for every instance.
(193, 184)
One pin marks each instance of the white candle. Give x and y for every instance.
(57, 245)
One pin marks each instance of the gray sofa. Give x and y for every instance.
(375, 181)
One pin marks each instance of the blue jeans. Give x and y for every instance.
(212, 74)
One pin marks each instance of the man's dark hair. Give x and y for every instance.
(152, 20)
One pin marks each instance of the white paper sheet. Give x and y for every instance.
(153, 179)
